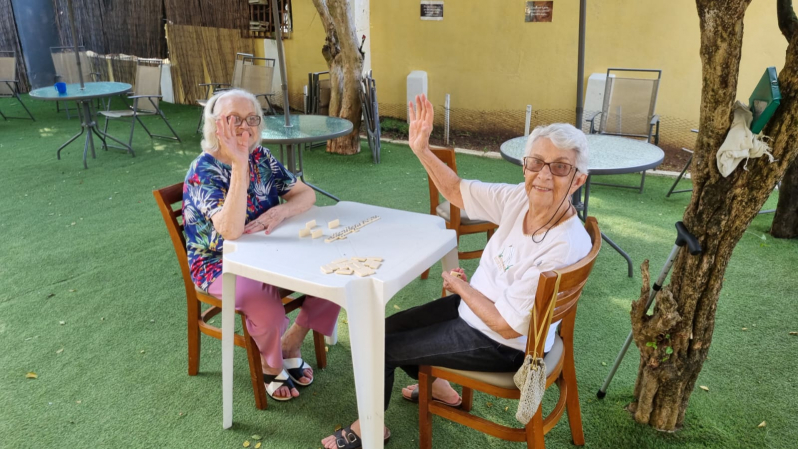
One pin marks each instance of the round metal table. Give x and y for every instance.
(303, 129)
(609, 155)
(83, 98)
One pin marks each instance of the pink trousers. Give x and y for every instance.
(266, 320)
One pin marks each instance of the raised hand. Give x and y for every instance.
(235, 147)
(421, 116)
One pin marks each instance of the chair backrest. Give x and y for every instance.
(241, 59)
(629, 103)
(66, 66)
(256, 77)
(8, 72)
(446, 155)
(148, 82)
(572, 281)
(173, 218)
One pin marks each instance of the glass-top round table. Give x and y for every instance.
(608, 155)
(83, 98)
(303, 129)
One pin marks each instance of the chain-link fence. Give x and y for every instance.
(486, 130)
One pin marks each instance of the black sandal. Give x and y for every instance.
(351, 440)
(274, 382)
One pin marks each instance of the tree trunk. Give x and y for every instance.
(785, 223)
(342, 53)
(675, 340)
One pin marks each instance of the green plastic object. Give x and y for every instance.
(764, 99)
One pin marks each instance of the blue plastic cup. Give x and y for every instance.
(60, 87)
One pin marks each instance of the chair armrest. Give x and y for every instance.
(593, 122)
(654, 120)
(144, 96)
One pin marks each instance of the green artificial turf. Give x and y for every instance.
(92, 301)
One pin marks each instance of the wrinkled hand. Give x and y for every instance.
(268, 221)
(235, 147)
(421, 116)
(454, 283)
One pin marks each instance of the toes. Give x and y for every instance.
(294, 392)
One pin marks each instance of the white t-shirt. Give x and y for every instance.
(511, 263)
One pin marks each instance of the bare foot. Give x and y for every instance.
(330, 443)
(441, 390)
(291, 344)
(284, 391)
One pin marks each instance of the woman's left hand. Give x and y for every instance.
(268, 221)
(454, 283)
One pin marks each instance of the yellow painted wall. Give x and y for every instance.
(488, 58)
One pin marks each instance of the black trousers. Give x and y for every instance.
(434, 334)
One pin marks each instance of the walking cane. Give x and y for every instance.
(683, 237)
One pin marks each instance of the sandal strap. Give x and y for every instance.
(274, 382)
(348, 441)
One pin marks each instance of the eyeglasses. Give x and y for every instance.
(252, 120)
(535, 165)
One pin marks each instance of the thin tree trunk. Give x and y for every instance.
(675, 340)
(345, 62)
(785, 222)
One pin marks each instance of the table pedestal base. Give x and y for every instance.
(295, 150)
(89, 126)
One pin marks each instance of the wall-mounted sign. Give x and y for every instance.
(432, 10)
(538, 11)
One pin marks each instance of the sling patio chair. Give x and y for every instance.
(66, 69)
(146, 100)
(212, 88)
(256, 78)
(9, 84)
(628, 110)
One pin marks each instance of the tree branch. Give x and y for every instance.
(788, 23)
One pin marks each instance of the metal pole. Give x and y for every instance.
(446, 116)
(75, 41)
(580, 70)
(528, 119)
(278, 28)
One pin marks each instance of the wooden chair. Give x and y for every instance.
(455, 218)
(559, 367)
(198, 320)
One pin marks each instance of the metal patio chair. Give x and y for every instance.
(256, 78)
(9, 84)
(628, 110)
(66, 69)
(146, 99)
(235, 83)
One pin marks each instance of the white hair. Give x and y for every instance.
(210, 142)
(564, 136)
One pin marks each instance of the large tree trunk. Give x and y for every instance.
(785, 223)
(675, 340)
(346, 64)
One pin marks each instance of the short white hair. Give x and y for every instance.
(210, 142)
(564, 136)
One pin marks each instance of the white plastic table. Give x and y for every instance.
(408, 242)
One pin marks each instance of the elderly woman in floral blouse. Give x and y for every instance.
(233, 188)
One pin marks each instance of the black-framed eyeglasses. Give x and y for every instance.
(535, 165)
(252, 120)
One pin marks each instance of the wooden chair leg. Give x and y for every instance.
(424, 416)
(468, 399)
(534, 431)
(425, 274)
(572, 399)
(490, 233)
(320, 348)
(194, 341)
(255, 368)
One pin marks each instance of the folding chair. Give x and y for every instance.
(256, 78)
(66, 69)
(9, 84)
(628, 110)
(235, 83)
(560, 367)
(146, 98)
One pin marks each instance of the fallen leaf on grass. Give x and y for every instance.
(257, 437)
(72, 290)
(78, 402)
(31, 375)
(62, 322)
(397, 307)
(59, 351)
(51, 295)
(506, 408)
(705, 388)
(257, 446)
(338, 427)
(489, 404)
(246, 443)
(794, 333)
(141, 352)
(745, 328)
(326, 349)
(603, 363)
(344, 321)
(762, 424)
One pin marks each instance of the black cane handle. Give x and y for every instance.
(684, 237)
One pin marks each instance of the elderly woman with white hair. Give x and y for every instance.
(482, 326)
(234, 188)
